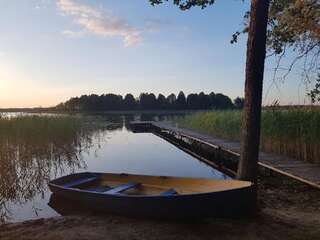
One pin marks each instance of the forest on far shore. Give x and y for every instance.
(149, 101)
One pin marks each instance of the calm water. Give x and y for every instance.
(28, 162)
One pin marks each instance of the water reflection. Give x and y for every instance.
(35, 149)
(66, 207)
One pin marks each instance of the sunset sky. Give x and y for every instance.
(53, 50)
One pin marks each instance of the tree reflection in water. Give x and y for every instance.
(34, 149)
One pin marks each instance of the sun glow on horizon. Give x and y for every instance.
(17, 90)
(51, 51)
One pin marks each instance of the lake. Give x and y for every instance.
(34, 150)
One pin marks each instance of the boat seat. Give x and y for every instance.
(79, 182)
(122, 188)
(99, 189)
(169, 192)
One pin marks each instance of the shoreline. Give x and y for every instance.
(287, 210)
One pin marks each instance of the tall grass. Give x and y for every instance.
(32, 150)
(293, 132)
(38, 126)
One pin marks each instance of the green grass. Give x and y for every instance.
(294, 132)
(39, 126)
(32, 148)
(224, 124)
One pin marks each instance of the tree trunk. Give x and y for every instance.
(256, 52)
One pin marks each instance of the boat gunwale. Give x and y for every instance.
(120, 195)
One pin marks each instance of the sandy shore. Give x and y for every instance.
(288, 210)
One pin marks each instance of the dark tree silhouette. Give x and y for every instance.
(112, 102)
(193, 101)
(204, 101)
(222, 101)
(162, 102)
(213, 103)
(171, 99)
(129, 102)
(314, 94)
(238, 103)
(147, 101)
(256, 53)
(181, 102)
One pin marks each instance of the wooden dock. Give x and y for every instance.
(299, 170)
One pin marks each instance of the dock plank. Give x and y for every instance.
(305, 172)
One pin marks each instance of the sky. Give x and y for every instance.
(51, 50)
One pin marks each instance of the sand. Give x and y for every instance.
(287, 210)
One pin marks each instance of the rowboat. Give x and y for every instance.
(156, 196)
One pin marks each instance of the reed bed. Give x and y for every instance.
(294, 132)
(43, 127)
(32, 150)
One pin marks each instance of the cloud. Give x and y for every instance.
(154, 25)
(41, 4)
(73, 34)
(98, 23)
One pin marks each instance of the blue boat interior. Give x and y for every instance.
(122, 188)
(169, 192)
(100, 189)
(88, 180)
(80, 181)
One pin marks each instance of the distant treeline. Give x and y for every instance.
(148, 101)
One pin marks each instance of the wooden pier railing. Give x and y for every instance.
(224, 154)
